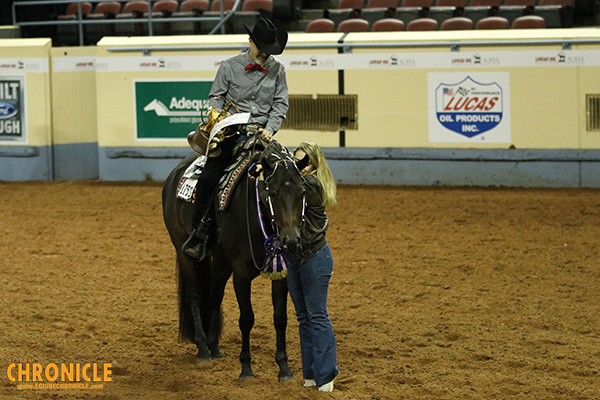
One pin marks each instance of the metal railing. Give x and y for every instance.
(80, 20)
(453, 45)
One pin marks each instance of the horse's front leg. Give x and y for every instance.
(241, 284)
(279, 294)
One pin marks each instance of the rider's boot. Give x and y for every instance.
(195, 246)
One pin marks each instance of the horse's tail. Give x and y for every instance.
(187, 330)
(198, 285)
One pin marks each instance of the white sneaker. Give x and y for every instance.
(310, 383)
(328, 387)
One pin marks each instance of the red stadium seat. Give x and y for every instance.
(133, 9)
(379, 9)
(422, 24)
(104, 10)
(73, 9)
(68, 35)
(215, 11)
(345, 9)
(252, 10)
(413, 9)
(529, 22)
(189, 9)
(163, 9)
(444, 9)
(320, 25)
(479, 9)
(457, 24)
(388, 25)
(492, 23)
(353, 25)
(512, 9)
(556, 13)
(194, 6)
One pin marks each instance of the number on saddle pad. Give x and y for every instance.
(187, 185)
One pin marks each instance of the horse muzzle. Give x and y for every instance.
(290, 244)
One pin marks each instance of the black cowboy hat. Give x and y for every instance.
(267, 37)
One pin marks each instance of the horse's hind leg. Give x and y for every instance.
(241, 284)
(279, 294)
(220, 275)
(203, 358)
(190, 282)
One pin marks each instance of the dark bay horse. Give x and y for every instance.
(236, 247)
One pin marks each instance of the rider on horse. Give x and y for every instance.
(252, 82)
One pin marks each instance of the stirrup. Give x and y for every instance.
(196, 252)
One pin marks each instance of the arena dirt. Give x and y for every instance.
(438, 293)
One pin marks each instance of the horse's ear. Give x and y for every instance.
(267, 165)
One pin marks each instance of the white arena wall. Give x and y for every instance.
(482, 108)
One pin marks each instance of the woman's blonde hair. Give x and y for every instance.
(322, 171)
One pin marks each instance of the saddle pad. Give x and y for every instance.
(230, 178)
(186, 189)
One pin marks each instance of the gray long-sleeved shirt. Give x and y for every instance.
(264, 96)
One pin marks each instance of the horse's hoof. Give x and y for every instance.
(286, 378)
(203, 363)
(217, 356)
(245, 377)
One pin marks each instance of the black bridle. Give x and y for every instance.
(272, 243)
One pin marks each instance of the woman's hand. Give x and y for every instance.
(257, 172)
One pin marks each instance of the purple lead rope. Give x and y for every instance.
(274, 262)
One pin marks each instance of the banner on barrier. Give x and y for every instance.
(169, 109)
(469, 107)
(12, 109)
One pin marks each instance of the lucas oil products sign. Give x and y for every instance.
(169, 109)
(12, 109)
(469, 107)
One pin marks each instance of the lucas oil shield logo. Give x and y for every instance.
(467, 108)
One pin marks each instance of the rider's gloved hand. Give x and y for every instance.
(265, 135)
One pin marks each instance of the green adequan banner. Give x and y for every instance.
(12, 109)
(169, 109)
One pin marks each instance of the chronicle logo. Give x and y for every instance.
(469, 108)
(32, 375)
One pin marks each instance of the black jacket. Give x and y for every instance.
(316, 222)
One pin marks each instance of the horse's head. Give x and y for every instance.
(283, 195)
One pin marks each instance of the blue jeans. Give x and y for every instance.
(308, 284)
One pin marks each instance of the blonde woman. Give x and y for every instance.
(308, 277)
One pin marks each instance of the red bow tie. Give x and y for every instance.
(255, 67)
